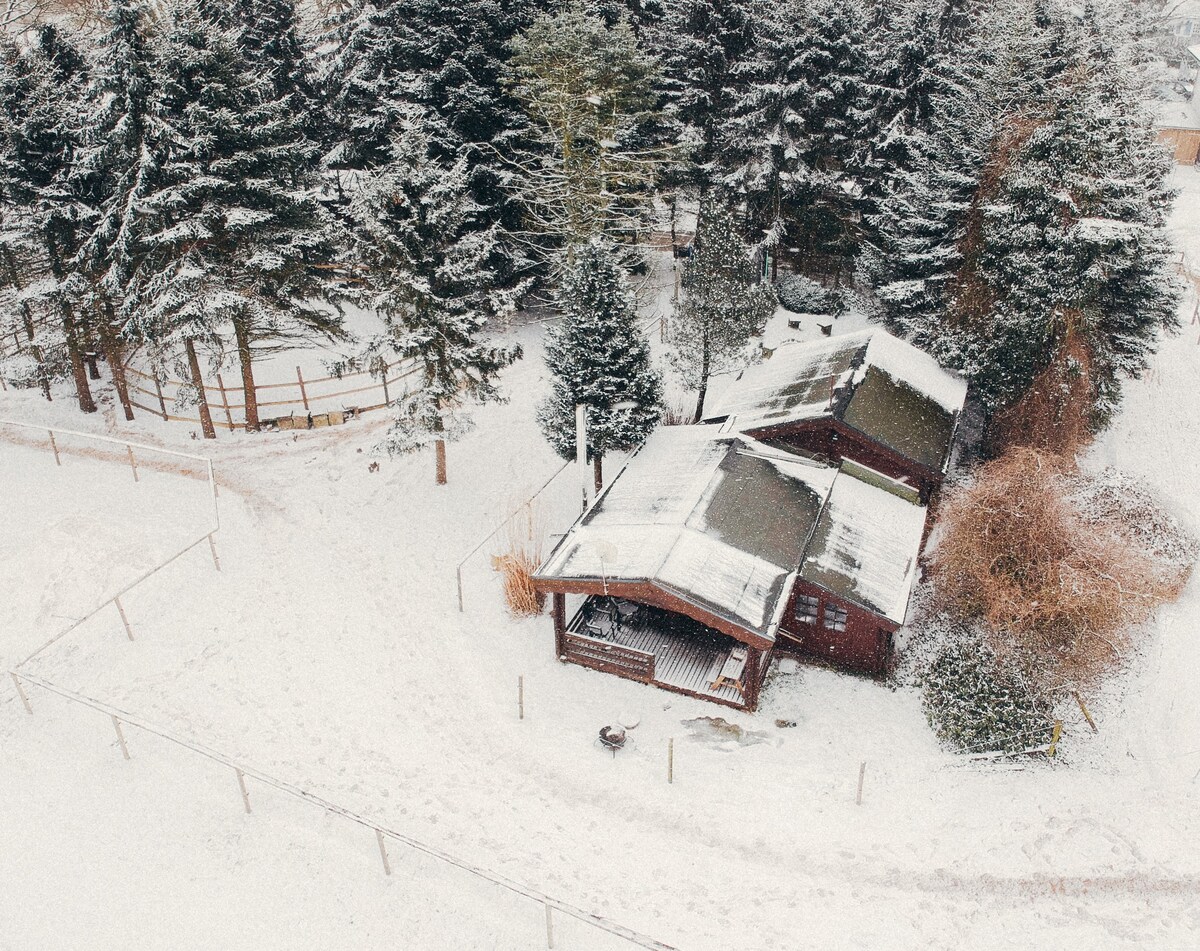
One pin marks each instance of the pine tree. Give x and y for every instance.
(723, 305)
(588, 88)
(425, 272)
(237, 244)
(599, 358)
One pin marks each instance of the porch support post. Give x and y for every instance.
(755, 669)
(560, 624)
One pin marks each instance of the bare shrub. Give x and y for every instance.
(520, 559)
(676, 412)
(1060, 589)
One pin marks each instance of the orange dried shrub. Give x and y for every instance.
(518, 562)
(1060, 579)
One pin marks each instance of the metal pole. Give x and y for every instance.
(212, 546)
(862, 772)
(581, 451)
(242, 786)
(671, 760)
(521, 697)
(549, 928)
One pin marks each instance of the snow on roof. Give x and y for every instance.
(886, 388)
(914, 367)
(866, 544)
(1174, 114)
(718, 520)
(723, 522)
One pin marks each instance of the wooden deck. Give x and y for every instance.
(656, 647)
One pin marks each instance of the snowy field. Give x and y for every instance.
(329, 653)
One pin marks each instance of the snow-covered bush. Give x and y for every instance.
(803, 295)
(975, 701)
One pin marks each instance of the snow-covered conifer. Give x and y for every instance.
(723, 305)
(425, 272)
(600, 358)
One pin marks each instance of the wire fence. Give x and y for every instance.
(64, 444)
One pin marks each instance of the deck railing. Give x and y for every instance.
(611, 658)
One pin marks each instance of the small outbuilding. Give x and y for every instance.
(867, 396)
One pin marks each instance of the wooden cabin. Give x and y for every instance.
(865, 396)
(711, 550)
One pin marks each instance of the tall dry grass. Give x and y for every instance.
(519, 559)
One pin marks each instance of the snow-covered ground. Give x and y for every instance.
(330, 654)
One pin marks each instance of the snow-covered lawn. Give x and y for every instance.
(330, 653)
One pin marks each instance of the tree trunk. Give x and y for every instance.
(112, 353)
(82, 388)
(206, 423)
(598, 472)
(439, 448)
(704, 368)
(245, 358)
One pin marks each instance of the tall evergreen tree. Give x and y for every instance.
(600, 358)
(425, 272)
(700, 44)
(42, 88)
(723, 305)
(238, 245)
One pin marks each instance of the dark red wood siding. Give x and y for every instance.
(864, 647)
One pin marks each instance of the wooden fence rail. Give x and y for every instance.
(305, 395)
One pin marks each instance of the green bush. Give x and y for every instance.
(975, 702)
(803, 295)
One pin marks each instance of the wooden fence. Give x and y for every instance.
(361, 392)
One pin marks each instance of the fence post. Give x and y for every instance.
(132, 464)
(124, 619)
(521, 697)
(862, 772)
(162, 404)
(386, 399)
(458, 572)
(120, 737)
(1054, 738)
(241, 778)
(303, 393)
(21, 693)
(387, 866)
(54, 446)
(671, 760)
(225, 402)
(212, 546)
(549, 928)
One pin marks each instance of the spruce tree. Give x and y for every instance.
(237, 244)
(425, 273)
(112, 173)
(700, 44)
(41, 90)
(723, 305)
(599, 358)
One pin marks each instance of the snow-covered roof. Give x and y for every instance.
(723, 522)
(880, 385)
(867, 541)
(719, 520)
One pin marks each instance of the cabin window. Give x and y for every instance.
(835, 618)
(806, 609)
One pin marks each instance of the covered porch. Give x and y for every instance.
(656, 646)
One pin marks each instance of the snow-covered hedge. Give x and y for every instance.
(803, 295)
(974, 701)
